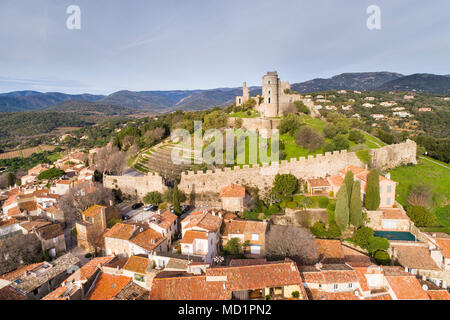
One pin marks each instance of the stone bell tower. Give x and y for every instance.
(271, 87)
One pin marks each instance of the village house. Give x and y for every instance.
(200, 234)
(251, 233)
(36, 280)
(130, 239)
(234, 198)
(52, 239)
(425, 110)
(93, 223)
(61, 187)
(331, 185)
(34, 172)
(278, 279)
(141, 270)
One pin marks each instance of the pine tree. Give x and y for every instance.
(176, 199)
(348, 181)
(11, 179)
(372, 201)
(356, 205)
(341, 214)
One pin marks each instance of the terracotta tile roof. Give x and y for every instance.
(121, 231)
(246, 262)
(9, 293)
(4, 223)
(50, 231)
(406, 287)
(355, 258)
(93, 211)
(89, 269)
(318, 182)
(395, 214)
(248, 227)
(64, 182)
(444, 243)
(190, 236)
(273, 274)
(167, 219)
(219, 283)
(108, 286)
(322, 295)
(438, 294)
(57, 294)
(330, 251)
(28, 206)
(356, 170)
(414, 257)
(11, 276)
(148, 239)
(132, 291)
(14, 211)
(187, 288)
(203, 220)
(336, 180)
(233, 191)
(137, 264)
(36, 224)
(330, 276)
(385, 296)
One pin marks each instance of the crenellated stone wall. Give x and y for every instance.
(394, 155)
(131, 185)
(262, 177)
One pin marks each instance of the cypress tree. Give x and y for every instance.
(348, 181)
(11, 179)
(356, 205)
(341, 214)
(372, 201)
(176, 199)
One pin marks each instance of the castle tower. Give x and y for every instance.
(245, 92)
(271, 91)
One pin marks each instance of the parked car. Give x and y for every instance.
(150, 207)
(136, 206)
(185, 208)
(125, 217)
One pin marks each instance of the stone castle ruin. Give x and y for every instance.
(262, 176)
(276, 99)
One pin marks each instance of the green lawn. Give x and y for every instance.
(428, 173)
(244, 114)
(54, 156)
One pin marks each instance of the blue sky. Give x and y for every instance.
(200, 44)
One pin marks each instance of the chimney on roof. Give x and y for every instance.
(111, 203)
(388, 176)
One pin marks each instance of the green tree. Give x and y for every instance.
(341, 214)
(382, 257)
(377, 243)
(233, 247)
(330, 131)
(301, 107)
(356, 136)
(284, 186)
(215, 120)
(308, 138)
(372, 201)
(290, 124)
(348, 182)
(421, 216)
(356, 217)
(52, 173)
(363, 236)
(341, 142)
(11, 179)
(176, 200)
(154, 198)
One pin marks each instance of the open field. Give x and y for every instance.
(25, 153)
(427, 173)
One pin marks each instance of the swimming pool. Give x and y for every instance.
(395, 235)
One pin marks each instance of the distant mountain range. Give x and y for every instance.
(161, 101)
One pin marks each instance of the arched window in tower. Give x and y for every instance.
(269, 91)
(269, 99)
(269, 82)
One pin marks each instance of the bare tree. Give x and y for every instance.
(110, 159)
(19, 250)
(3, 180)
(156, 133)
(81, 197)
(292, 242)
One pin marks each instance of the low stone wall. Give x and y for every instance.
(394, 155)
